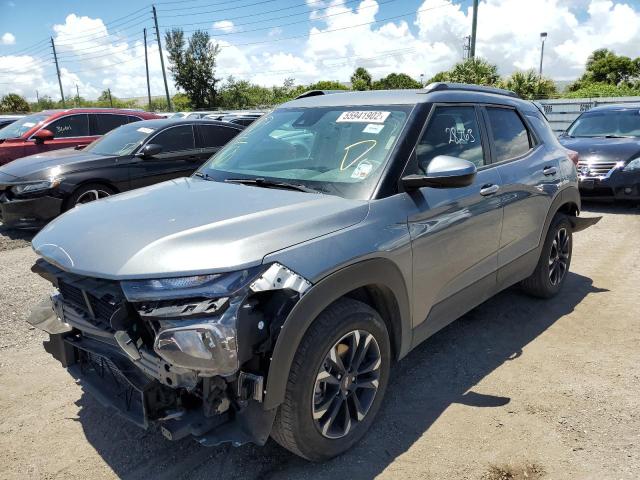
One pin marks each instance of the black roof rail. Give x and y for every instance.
(439, 86)
(315, 93)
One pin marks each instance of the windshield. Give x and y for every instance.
(612, 123)
(335, 150)
(121, 141)
(22, 126)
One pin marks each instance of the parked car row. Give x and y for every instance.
(269, 293)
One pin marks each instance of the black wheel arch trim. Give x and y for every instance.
(377, 271)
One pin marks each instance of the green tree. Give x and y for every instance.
(361, 79)
(181, 102)
(12, 102)
(439, 77)
(396, 81)
(600, 89)
(327, 85)
(529, 85)
(475, 71)
(193, 66)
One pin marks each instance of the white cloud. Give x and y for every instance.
(226, 26)
(8, 39)
(275, 32)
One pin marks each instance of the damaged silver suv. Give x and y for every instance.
(268, 294)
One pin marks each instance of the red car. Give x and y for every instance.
(55, 129)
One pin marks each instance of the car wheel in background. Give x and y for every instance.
(88, 193)
(555, 259)
(336, 383)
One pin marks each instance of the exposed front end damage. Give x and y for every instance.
(190, 353)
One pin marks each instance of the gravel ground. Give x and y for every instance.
(518, 388)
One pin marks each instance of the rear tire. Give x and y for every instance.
(88, 193)
(555, 259)
(329, 405)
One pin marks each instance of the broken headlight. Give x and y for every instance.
(195, 316)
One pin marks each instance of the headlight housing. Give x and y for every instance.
(195, 317)
(36, 186)
(632, 166)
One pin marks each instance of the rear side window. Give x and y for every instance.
(133, 119)
(510, 137)
(175, 139)
(70, 126)
(452, 131)
(215, 136)
(104, 123)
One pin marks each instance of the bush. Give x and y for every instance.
(14, 103)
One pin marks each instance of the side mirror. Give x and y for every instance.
(43, 135)
(150, 150)
(443, 172)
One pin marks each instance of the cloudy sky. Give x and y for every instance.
(100, 44)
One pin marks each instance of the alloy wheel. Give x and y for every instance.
(346, 384)
(559, 256)
(92, 195)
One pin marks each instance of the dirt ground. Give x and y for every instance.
(518, 388)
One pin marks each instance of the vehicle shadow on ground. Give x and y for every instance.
(13, 238)
(620, 208)
(440, 372)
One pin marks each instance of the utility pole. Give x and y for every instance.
(55, 57)
(77, 96)
(110, 99)
(37, 97)
(466, 47)
(474, 27)
(164, 74)
(146, 66)
(543, 37)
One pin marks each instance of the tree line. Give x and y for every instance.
(193, 66)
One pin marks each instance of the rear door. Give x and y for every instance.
(179, 157)
(455, 232)
(212, 138)
(68, 131)
(102, 123)
(531, 176)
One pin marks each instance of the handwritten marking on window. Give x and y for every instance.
(63, 128)
(460, 136)
(348, 148)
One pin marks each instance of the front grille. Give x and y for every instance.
(592, 169)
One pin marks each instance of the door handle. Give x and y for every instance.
(489, 189)
(549, 171)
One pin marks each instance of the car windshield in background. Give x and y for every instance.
(334, 150)
(121, 141)
(612, 123)
(22, 126)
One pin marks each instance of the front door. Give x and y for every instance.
(455, 232)
(178, 158)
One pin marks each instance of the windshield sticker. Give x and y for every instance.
(145, 130)
(389, 144)
(28, 124)
(460, 136)
(368, 116)
(347, 149)
(363, 170)
(373, 128)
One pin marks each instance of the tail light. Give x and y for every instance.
(573, 156)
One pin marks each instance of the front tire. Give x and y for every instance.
(336, 383)
(88, 193)
(553, 266)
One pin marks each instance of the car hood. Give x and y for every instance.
(35, 167)
(189, 226)
(603, 149)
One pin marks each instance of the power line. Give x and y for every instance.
(221, 9)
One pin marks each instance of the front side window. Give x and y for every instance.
(336, 150)
(70, 126)
(510, 136)
(614, 123)
(175, 139)
(452, 131)
(106, 122)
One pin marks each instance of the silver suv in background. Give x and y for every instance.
(270, 293)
